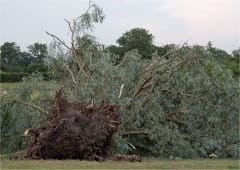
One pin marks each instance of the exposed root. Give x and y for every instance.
(74, 131)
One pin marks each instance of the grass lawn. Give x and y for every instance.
(146, 164)
(14, 88)
(11, 86)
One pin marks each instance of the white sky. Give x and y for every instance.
(170, 21)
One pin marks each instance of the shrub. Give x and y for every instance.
(36, 67)
(16, 116)
(12, 68)
(12, 76)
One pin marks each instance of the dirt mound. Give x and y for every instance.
(74, 131)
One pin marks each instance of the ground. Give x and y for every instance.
(148, 163)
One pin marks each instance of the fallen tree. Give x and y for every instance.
(180, 105)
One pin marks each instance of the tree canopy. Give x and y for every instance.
(39, 51)
(9, 53)
(137, 38)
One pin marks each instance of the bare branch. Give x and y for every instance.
(122, 62)
(137, 91)
(142, 86)
(69, 25)
(71, 73)
(173, 119)
(121, 90)
(59, 40)
(75, 55)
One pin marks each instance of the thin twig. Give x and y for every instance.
(59, 40)
(33, 106)
(179, 122)
(90, 5)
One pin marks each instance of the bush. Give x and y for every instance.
(12, 76)
(36, 67)
(12, 68)
(16, 117)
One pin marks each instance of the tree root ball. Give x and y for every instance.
(74, 131)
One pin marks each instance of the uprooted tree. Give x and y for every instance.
(183, 104)
(176, 105)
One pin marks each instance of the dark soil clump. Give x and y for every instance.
(74, 131)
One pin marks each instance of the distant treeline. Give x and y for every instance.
(16, 63)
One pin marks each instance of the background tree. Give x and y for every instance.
(137, 38)
(116, 53)
(230, 62)
(10, 53)
(39, 51)
(16, 64)
(236, 55)
(25, 58)
(165, 49)
(13, 59)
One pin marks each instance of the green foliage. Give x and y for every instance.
(12, 59)
(55, 64)
(166, 49)
(15, 62)
(9, 53)
(86, 21)
(191, 81)
(14, 120)
(236, 55)
(12, 68)
(36, 67)
(137, 38)
(121, 146)
(183, 105)
(12, 77)
(39, 51)
(230, 62)
(16, 117)
(116, 53)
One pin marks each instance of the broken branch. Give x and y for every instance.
(59, 40)
(71, 73)
(33, 106)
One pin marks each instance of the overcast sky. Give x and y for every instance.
(170, 21)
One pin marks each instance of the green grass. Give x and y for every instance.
(13, 88)
(9, 86)
(146, 164)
